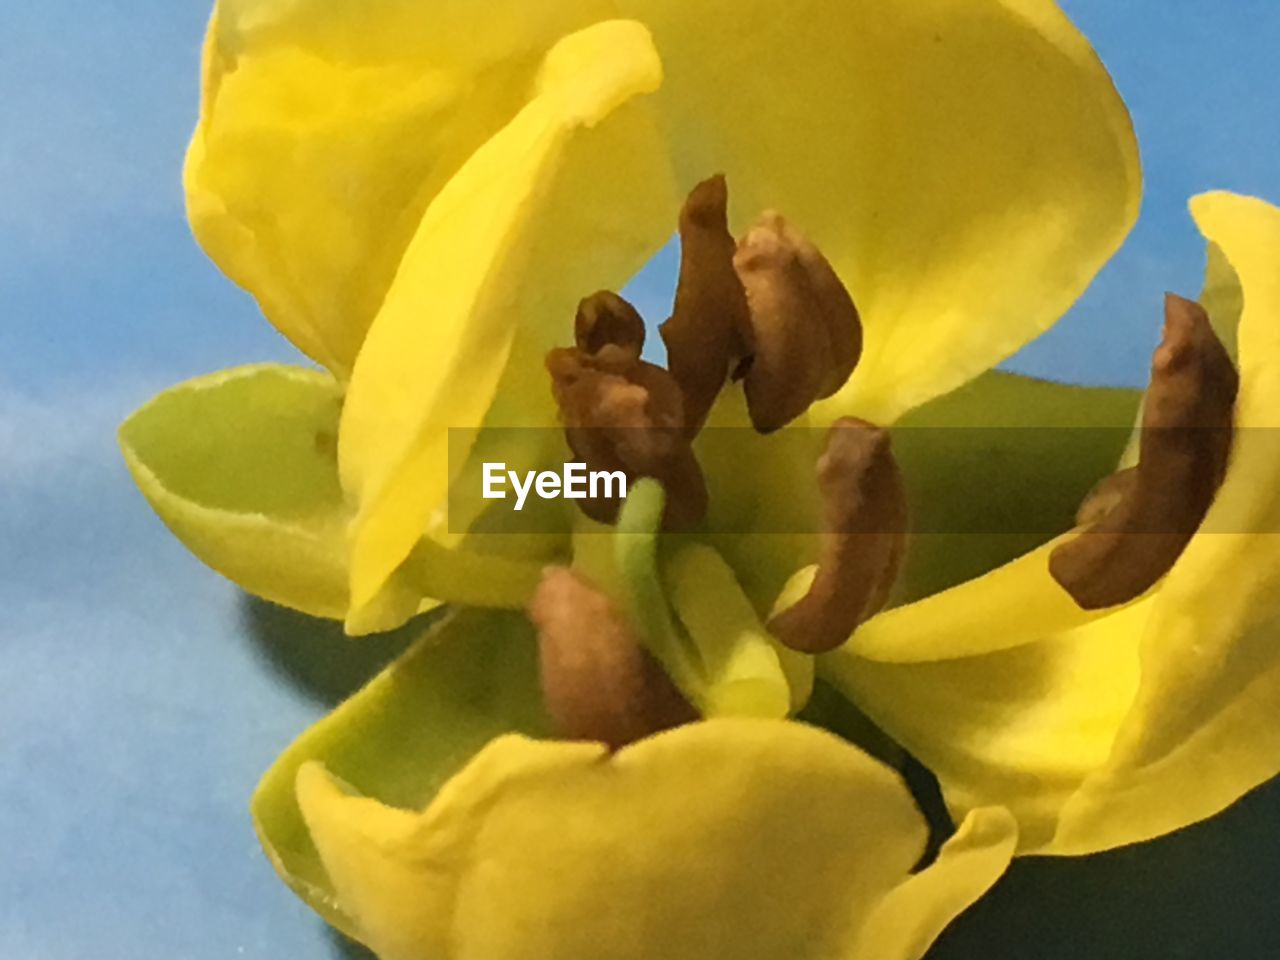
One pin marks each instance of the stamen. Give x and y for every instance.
(621, 413)
(863, 545)
(1184, 447)
(744, 674)
(708, 324)
(806, 333)
(604, 319)
(599, 683)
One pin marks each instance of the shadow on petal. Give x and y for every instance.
(314, 656)
(344, 948)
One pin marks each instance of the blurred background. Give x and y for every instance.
(141, 696)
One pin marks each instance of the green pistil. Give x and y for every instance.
(622, 561)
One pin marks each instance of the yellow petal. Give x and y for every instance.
(1202, 730)
(573, 194)
(325, 131)
(966, 166)
(1019, 728)
(241, 466)
(728, 838)
(1222, 297)
(471, 678)
(1129, 725)
(959, 622)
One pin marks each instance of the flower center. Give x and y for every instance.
(768, 310)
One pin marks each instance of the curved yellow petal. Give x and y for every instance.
(907, 921)
(960, 622)
(727, 838)
(1132, 724)
(472, 677)
(965, 209)
(241, 467)
(325, 130)
(571, 195)
(1019, 728)
(966, 166)
(1202, 730)
(1222, 296)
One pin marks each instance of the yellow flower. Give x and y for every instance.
(1101, 728)
(419, 194)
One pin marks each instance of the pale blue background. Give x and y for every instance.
(141, 696)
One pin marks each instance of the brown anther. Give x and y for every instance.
(863, 544)
(605, 320)
(704, 335)
(806, 333)
(1106, 495)
(1183, 452)
(626, 415)
(598, 682)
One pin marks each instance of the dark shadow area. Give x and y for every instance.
(1206, 893)
(1209, 892)
(831, 711)
(927, 792)
(314, 655)
(346, 949)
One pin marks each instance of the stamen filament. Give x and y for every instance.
(743, 674)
